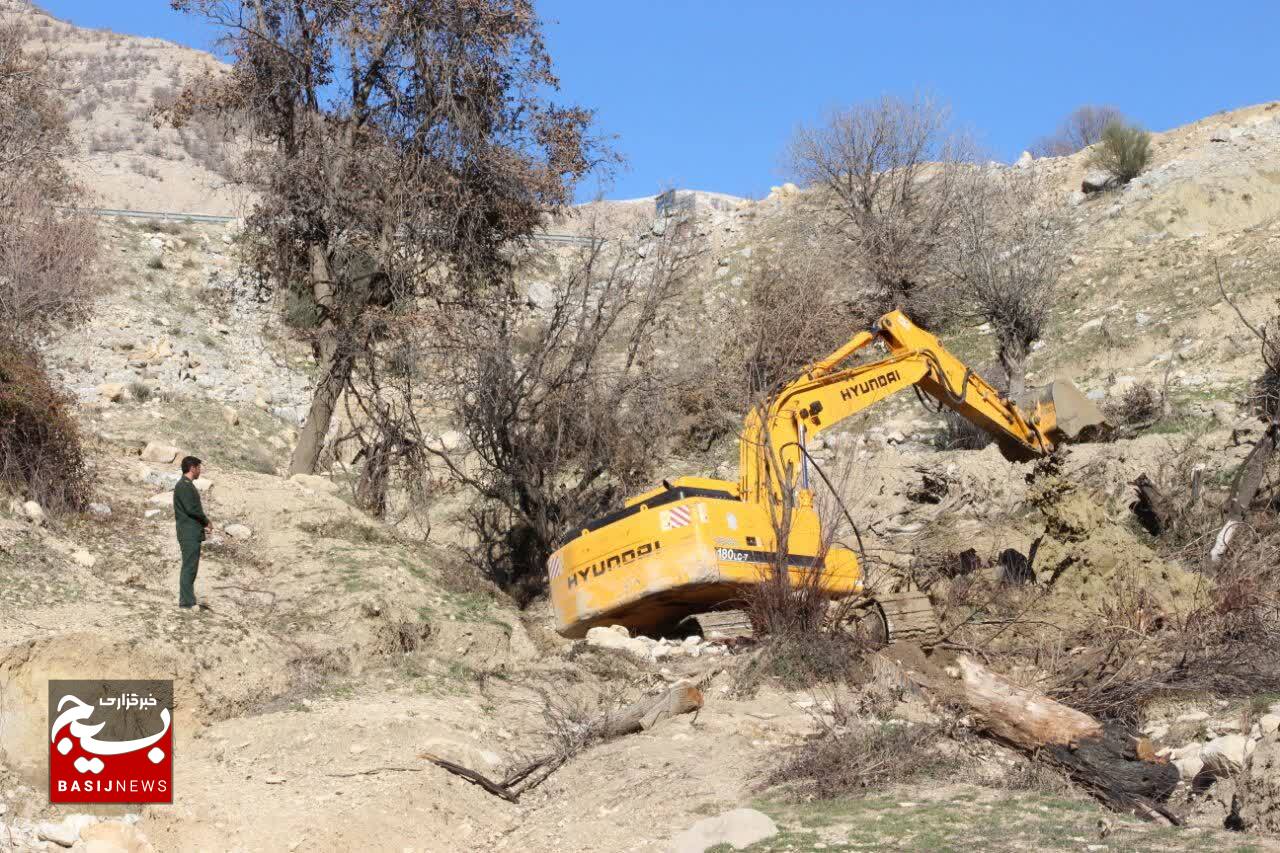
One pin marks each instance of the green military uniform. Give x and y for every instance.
(189, 513)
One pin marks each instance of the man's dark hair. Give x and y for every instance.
(189, 462)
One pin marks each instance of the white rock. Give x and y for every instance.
(1192, 717)
(230, 415)
(238, 531)
(1226, 755)
(1269, 723)
(1097, 181)
(82, 557)
(739, 829)
(113, 391)
(1024, 161)
(34, 512)
(164, 499)
(100, 510)
(1095, 323)
(203, 485)
(150, 513)
(67, 832)
(1189, 768)
(157, 452)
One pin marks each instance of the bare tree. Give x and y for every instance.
(1006, 250)
(1082, 128)
(564, 401)
(889, 171)
(46, 281)
(794, 305)
(47, 249)
(402, 147)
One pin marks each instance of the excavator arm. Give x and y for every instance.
(774, 437)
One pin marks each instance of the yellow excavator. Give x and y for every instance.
(682, 557)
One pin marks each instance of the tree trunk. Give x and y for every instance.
(1245, 488)
(336, 366)
(1014, 361)
(336, 362)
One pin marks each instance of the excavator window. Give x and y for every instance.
(670, 496)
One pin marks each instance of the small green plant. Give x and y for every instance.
(140, 391)
(1123, 152)
(156, 263)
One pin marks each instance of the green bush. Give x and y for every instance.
(1125, 150)
(141, 391)
(40, 453)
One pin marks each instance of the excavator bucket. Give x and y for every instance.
(1064, 414)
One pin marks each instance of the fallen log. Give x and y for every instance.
(1113, 765)
(646, 713)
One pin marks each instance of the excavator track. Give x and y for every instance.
(907, 617)
(885, 619)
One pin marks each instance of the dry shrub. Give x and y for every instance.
(40, 452)
(857, 760)
(1123, 151)
(1139, 405)
(1226, 644)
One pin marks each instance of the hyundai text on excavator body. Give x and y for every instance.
(694, 546)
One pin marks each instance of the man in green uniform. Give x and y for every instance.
(192, 524)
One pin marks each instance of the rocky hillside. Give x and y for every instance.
(113, 83)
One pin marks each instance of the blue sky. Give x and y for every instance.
(705, 93)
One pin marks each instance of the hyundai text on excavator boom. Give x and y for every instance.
(694, 546)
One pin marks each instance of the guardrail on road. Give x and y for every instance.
(572, 239)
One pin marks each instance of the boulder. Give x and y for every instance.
(238, 531)
(616, 637)
(739, 829)
(1270, 723)
(163, 479)
(1024, 161)
(230, 415)
(112, 391)
(1226, 755)
(34, 512)
(1097, 180)
(67, 832)
(81, 557)
(100, 510)
(1189, 767)
(162, 453)
(163, 499)
(203, 485)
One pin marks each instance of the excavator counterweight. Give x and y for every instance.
(697, 545)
